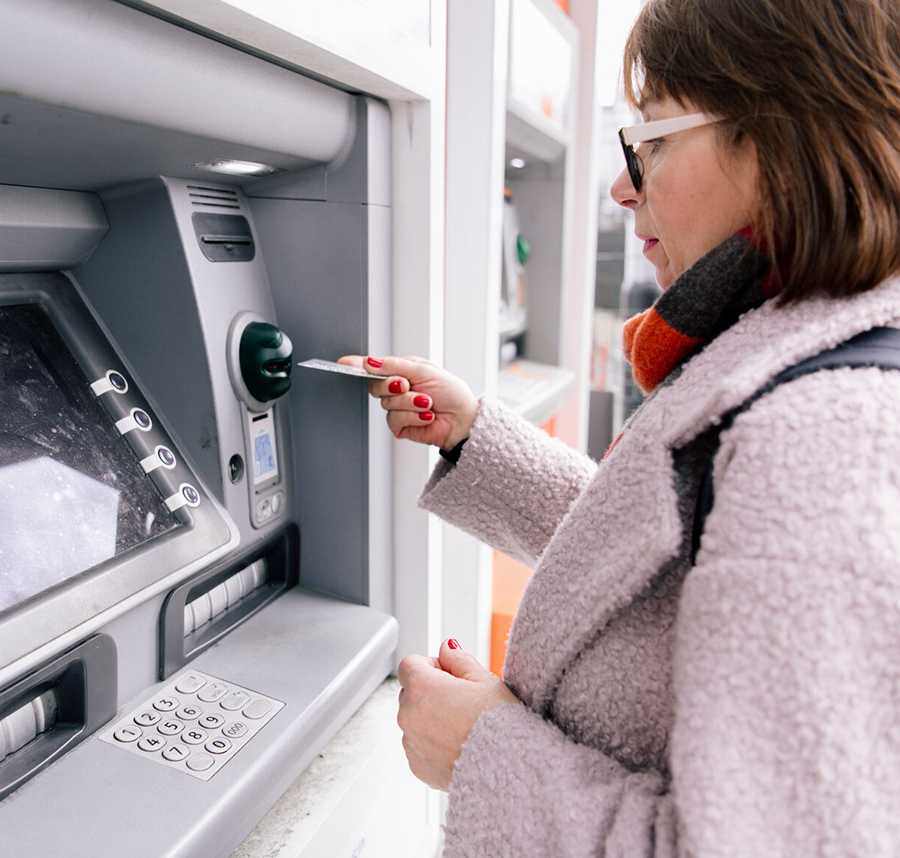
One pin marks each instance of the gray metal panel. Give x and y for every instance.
(361, 175)
(48, 146)
(139, 283)
(539, 203)
(108, 803)
(316, 255)
(105, 58)
(44, 230)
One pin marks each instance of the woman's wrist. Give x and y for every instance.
(461, 432)
(452, 455)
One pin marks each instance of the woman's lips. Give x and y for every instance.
(649, 244)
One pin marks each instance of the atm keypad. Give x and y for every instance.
(196, 724)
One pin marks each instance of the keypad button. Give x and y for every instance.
(212, 721)
(189, 684)
(128, 733)
(147, 719)
(151, 743)
(218, 746)
(257, 709)
(212, 692)
(235, 730)
(165, 704)
(189, 713)
(171, 727)
(194, 736)
(234, 701)
(200, 762)
(176, 753)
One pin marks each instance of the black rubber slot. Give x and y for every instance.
(282, 556)
(84, 680)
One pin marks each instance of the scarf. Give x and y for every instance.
(705, 300)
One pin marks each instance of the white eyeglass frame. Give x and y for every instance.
(632, 134)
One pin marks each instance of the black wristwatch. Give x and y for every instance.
(452, 456)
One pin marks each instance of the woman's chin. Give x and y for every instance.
(664, 278)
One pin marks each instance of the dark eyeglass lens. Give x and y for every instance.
(635, 168)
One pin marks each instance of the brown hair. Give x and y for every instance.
(815, 85)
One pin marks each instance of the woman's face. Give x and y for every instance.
(696, 192)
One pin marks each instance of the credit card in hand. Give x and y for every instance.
(341, 368)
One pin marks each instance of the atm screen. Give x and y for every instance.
(72, 493)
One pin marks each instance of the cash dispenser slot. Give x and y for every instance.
(206, 608)
(50, 711)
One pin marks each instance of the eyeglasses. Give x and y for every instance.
(632, 134)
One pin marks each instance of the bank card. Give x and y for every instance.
(342, 369)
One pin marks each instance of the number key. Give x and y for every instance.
(194, 736)
(147, 719)
(189, 713)
(171, 727)
(212, 721)
(218, 746)
(165, 704)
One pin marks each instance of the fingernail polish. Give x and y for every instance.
(395, 387)
(378, 364)
(427, 416)
(421, 402)
(453, 643)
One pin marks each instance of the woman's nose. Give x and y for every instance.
(623, 192)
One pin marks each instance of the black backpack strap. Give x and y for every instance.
(878, 347)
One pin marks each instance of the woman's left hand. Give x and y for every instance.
(440, 702)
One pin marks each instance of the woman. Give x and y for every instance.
(748, 704)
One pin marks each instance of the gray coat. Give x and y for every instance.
(749, 706)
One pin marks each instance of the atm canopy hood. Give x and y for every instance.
(132, 96)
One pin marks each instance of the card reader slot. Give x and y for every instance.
(201, 611)
(48, 712)
(226, 239)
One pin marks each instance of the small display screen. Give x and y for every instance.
(264, 454)
(72, 492)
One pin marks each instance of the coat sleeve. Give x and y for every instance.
(785, 740)
(512, 485)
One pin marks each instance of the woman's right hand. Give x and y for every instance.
(424, 402)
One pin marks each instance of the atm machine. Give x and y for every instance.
(195, 582)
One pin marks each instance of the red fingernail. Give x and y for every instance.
(395, 387)
(426, 416)
(421, 402)
(453, 643)
(375, 362)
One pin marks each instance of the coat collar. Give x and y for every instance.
(625, 526)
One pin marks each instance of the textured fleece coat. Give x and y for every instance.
(748, 706)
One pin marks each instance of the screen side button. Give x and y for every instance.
(137, 419)
(186, 495)
(161, 457)
(110, 382)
